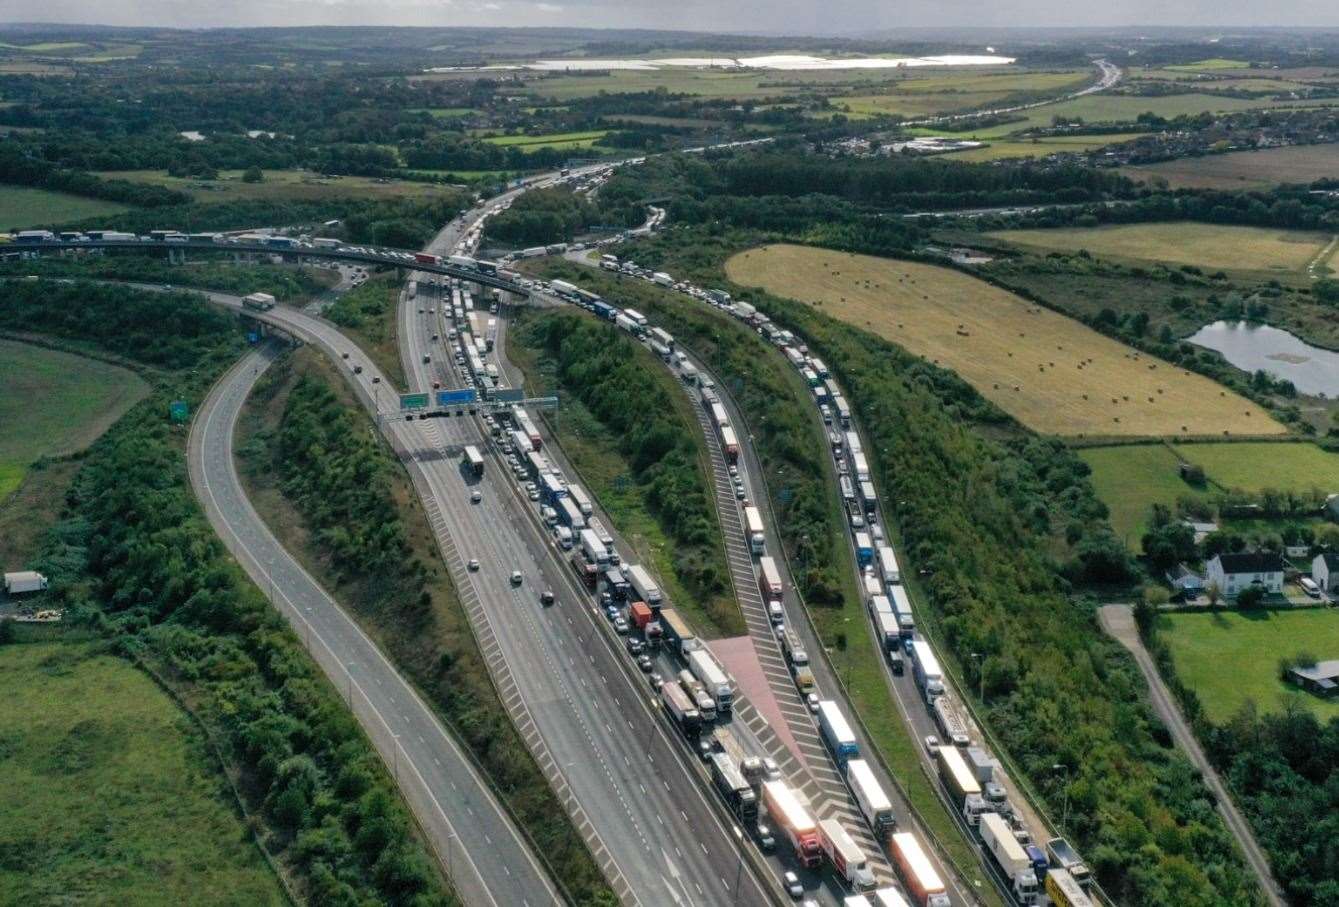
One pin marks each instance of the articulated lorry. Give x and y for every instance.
(712, 677)
(929, 678)
(870, 797)
(837, 732)
(960, 783)
(951, 723)
(736, 790)
(1009, 856)
(680, 708)
(790, 815)
(798, 659)
(1064, 891)
(923, 883)
(845, 855)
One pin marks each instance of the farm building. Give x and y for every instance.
(1234, 573)
(1325, 571)
(1322, 678)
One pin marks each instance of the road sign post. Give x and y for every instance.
(410, 402)
(179, 411)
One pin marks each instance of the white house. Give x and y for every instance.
(1233, 573)
(1325, 571)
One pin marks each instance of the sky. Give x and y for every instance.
(809, 17)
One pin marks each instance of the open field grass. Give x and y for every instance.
(551, 139)
(934, 93)
(1256, 466)
(1104, 108)
(1211, 246)
(1130, 479)
(21, 206)
(110, 794)
(1244, 169)
(1231, 657)
(444, 113)
(55, 403)
(1214, 64)
(1001, 149)
(1050, 372)
(300, 185)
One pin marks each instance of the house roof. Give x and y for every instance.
(1251, 562)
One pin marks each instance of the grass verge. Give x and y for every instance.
(112, 795)
(368, 315)
(424, 628)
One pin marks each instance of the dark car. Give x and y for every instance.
(546, 597)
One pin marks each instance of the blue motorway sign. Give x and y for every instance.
(451, 398)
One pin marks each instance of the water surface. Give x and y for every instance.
(1253, 347)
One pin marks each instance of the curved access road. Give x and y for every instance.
(1118, 621)
(489, 862)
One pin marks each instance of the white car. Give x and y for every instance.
(473, 565)
(516, 577)
(476, 496)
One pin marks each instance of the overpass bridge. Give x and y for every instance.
(364, 255)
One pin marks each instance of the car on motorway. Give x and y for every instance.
(931, 743)
(533, 494)
(908, 648)
(473, 565)
(705, 749)
(644, 663)
(357, 369)
(771, 769)
(793, 886)
(531, 486)
(734, 471)
(436, 385)
(546, 597)
(766, 842)
(476, 496)
(426, 358)
(812, 701)
(635, 645)
(621, 626)
(516, 577)
(344, 355)
(376, 379)
(612, 612)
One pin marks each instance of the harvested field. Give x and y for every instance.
(1184, 243)
(1050, 372)
(1244, 169)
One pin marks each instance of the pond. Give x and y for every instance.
(1252, 347)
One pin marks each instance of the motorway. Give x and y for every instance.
(487, 859)
(583, 713)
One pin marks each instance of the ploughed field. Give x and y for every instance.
(1052, 373)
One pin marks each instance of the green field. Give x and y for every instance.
(443, 113)
(111, 796)
(1000, 149)
(1231, 657)
(22, 207)
(299, 185)
(1214, 64)
(1257, 466)
(55, 403)
(933, 93)
(1183, 243)
(1130, 479)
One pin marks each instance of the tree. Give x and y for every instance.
(253, 175)
(1250, 597)
(1168, 545)
(1214, 593)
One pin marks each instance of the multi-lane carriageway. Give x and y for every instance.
(575, 698)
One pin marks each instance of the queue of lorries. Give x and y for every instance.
(971, 777)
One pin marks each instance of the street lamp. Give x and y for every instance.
(1064, 814)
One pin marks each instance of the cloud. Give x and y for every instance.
(548, 7)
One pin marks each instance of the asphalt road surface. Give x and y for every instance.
(1118, 621)
(487, 859)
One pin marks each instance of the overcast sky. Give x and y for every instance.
(757, 16)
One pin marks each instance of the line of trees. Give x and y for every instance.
(609, 374)
(320, 453)
(24, 169)
(133, 557)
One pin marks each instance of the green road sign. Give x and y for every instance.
(178, 411)
(413, 401)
